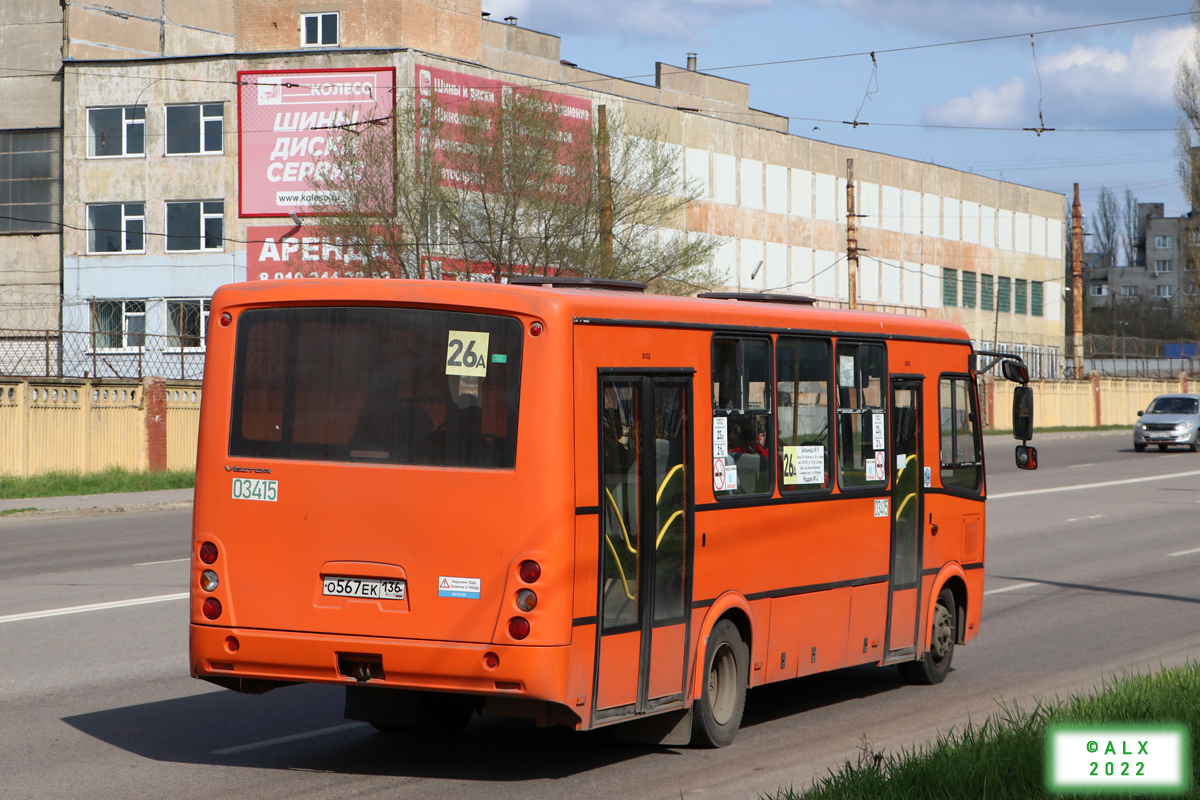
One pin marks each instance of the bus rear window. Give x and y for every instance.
(377, 385)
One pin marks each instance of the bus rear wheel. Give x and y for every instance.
(934, 665)
(717, 713)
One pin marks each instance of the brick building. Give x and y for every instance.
(135, 107)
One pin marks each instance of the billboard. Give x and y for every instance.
(458, 99)
(276, 252)
(288, 121)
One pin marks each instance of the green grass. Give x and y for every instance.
(58, 484)
(1005, 756)
(9, 511)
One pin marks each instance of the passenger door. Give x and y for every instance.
(904, 574)
(646, 512)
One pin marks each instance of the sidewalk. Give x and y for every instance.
(99, 501)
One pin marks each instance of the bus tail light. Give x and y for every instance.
(536, 328)
(530, 571)
(209, 580)
(208, 553)
(491, 660)
(518, 628)
(232, 644)
(212, 608)
(526, 600)
(226, 318)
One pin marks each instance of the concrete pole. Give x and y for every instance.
(1077, 282)
(851, 234)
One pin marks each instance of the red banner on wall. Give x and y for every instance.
(452, 96)
(276, 252)
(288, 121)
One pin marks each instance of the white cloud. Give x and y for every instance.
(1109, 79)
(678, 20)
(1004, 106)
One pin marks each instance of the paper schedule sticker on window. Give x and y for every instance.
(803, 464)
(467, 353)
(877, 433)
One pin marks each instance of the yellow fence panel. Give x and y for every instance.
(12, 427)
(56, 428)
(118, 429)
(183, 424)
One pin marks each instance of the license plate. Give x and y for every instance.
(370, 588)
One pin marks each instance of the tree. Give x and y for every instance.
(1187, 99)
(514, 182)
(1106, 227)
(1129, 220)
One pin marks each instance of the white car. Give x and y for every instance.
(1170, 419)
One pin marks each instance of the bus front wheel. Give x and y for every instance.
(717, 714)
(933, 667)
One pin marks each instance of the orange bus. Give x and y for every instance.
(574, 502)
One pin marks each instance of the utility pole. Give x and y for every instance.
(851, 234)
(1077, 283)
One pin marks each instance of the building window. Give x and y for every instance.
(949, 287)
(1036, 298)
(117, 228)
(968, 290)
(118, 324)
(1129, 290)
(30, 181)
(986, 294)
(195, 128)
(1163, 291)
(1098, 290)
(1020, 306)
(1164, 242)
(741, 374)
(116, 132)
(320, 30)
(1004, 295)
(1164, 265)
(196, 226)
(187, 320)
(1052, 359)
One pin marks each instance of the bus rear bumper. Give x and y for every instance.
(529, 672)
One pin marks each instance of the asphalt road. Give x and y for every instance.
(1082, 583)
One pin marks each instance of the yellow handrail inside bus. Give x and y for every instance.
(663, 485)
(620, 570)
(904, 502)
(620, 519)
(666, 525)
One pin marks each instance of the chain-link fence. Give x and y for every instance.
(73, 354)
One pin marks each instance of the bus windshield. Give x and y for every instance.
(377, 385)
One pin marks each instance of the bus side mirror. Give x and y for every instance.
(1026, 457)
(1022, 418)
(1015, 371)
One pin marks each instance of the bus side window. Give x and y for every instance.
(958, 420)
(803, 369)
(741, 374)
(861, 415)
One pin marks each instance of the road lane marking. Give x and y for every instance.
(1077, 466)
(1010, 588)
(295, 737)
(168, 561)
(1184, 552)
(59, 612)
(1090, 516)
(1079, 486)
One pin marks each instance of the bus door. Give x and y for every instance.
(904, 579)
(646, 512)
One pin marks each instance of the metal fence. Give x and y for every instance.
(72, 354)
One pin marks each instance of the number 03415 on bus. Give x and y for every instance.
(570, 501)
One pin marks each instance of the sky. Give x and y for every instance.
(1087, 83)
